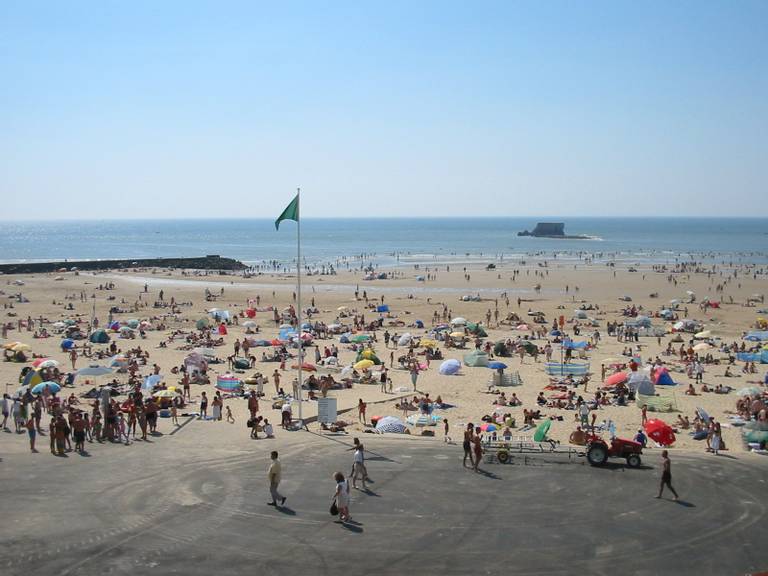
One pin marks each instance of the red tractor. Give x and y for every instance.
(598, 451)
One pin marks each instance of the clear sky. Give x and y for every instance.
(167, 108)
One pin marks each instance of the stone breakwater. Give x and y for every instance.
(212, 262)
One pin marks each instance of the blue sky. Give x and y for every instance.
(190, 109)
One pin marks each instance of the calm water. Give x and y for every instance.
(386, 241)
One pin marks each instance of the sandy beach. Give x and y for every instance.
(563, 288)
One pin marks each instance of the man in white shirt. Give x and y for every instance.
(5, 410)
(274, 474)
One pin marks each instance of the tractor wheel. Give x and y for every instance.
(502, 456)
(597, 454)
(633, 460)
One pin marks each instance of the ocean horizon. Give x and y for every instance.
(389, 241)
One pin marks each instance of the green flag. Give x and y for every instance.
(290, 213)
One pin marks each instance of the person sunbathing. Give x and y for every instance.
(683, 422)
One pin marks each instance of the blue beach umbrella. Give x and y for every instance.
(52, 387)
(497, 365)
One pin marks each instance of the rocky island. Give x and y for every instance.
(551, 230)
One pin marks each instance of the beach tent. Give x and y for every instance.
(476, 330)
(641, 383)
(450, 367)
(663, 377)
(580, 314)
(219, 315)
(99, 337)
(382, 308)
(202, 324)
(405, 339)
(500, 349)
(476, 358)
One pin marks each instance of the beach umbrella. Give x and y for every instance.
(367, 354)
(459, 321)
(391, 425)
(614, 379)
(249, 324)
(165, 394)
(32, 377)
(151, 381)
(93, 370)
(701, 347)
(20, 347)
(51, 386)
(488, 427)
(45, 363)
(364, 365)
(750, 391)
(450, 367)
(660, 432)
(497, 365)
(542, 430)
(360, 338)
(67, 344)
(126, 330)
(305, 366)
(133, 323)
(202, 324)
(405, 339)
(59, 324)
(118, 361)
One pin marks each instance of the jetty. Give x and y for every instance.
(210, 262)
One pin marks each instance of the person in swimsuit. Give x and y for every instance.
(478, 448)
(666, 475)
(32, 431)
(203, 407)
(468, 445)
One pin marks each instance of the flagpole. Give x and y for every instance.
(298, 303)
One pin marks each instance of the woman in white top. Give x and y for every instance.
(342, 496)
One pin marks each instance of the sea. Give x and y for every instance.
(390, 242)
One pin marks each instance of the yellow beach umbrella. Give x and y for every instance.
(364, 364)
(427, 343)
(457, 334)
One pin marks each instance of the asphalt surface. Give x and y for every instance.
(169, 508)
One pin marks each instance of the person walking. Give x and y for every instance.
(467, 445)
(358, 466)
(414, 375)
(666, 475)
(32, 431)
(341, 496)
(274, 474)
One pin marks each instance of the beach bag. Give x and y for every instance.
(334, 509)
(249, 423)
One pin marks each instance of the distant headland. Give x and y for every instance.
(551, 230)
